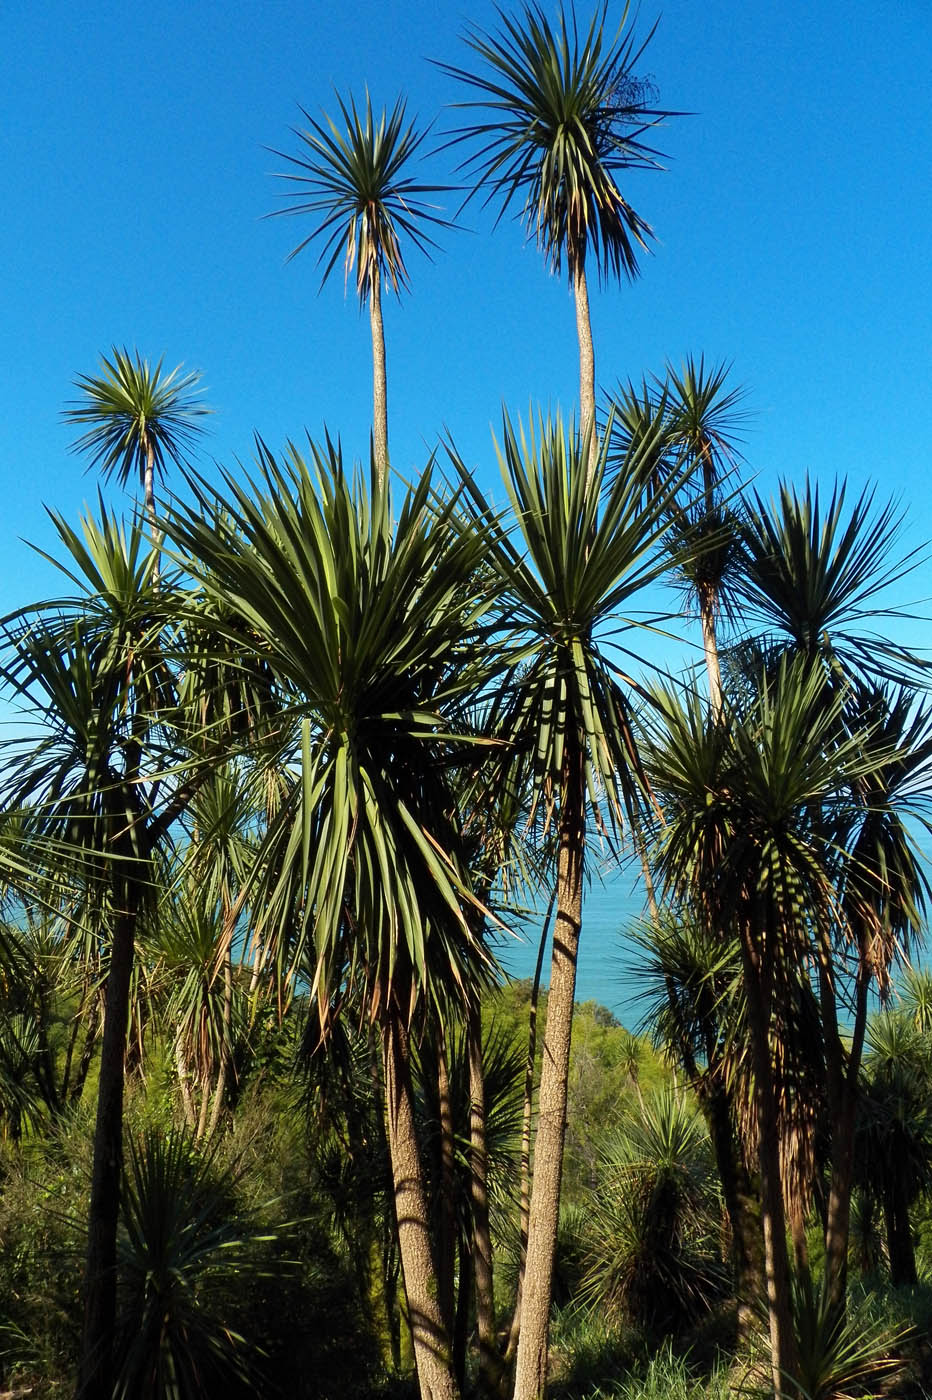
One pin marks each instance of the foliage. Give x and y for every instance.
(841, 1357)
(567, 114)
(654, 1217)
(135, 418)
(356, 181)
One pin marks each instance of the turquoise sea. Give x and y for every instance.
(605, 973)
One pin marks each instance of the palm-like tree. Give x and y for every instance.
(816, 575)
(135, 420)
(703, 415)
(691, 979)
(653, 1217)
(895, 1131)
(814, 572)
(96, 674)
(566, 115)
(355, 183)
(370, 628)
(117, 758)
(744, 797)
(568, 568)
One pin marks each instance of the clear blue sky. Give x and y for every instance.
(793, 223)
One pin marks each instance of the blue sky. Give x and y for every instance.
(793, 226)
(793, 239)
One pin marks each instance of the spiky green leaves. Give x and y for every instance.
(355, 182)
(371, 630)
(566, 116)
(571, 570)
(743, 794)
(132, 414)
(815, 571)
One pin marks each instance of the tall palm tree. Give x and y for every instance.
(567, 569)
(743, 796)
(691, 978)
(136, 420)
(370, 629)
(817, 575)
(355, 183)
(703, 415)
(566, 115)
(98, 672)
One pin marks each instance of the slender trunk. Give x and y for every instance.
(95, 1375)
(204, 1107)
(740, 1203)
(490, 1363)
(432, 1353)
(87, 1049)
(184, 1084)
(587, 425)
(379, 387)
(88, 1015)
(149, 494)
(710, 648)
(446, 1246)
(838, 1211)
(461, 1318)
(531, 1365)
(773, 1218)
(800, 1241)
(526, 1116)
(226, 1048)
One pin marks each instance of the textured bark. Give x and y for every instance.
(226, 1049)
(531, 1365)
(710, 650)
(577, 264)
(184, 1085)
(149, 495)
(432, 1351)
(95, 1376)
(446, 1246)
(784, 1361)
(526, 1116)
(490, 1362)
(379, 386)
(844, 1115)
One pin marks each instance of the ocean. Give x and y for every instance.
(605, 974)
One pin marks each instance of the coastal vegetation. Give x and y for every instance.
(298, 745)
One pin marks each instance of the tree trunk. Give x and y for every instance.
(844, 1115)
(379, 386)
(461, 1319)
(587, 425)
(226, 1048)
(446, 1244)
(710, 650)
(490, 1362)
(432, 1352)
(526, 1116)
(784, 1360)
(95, 1375)
(740, 1203)
(148, 486)
(531, 1366)
(184, 1084)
